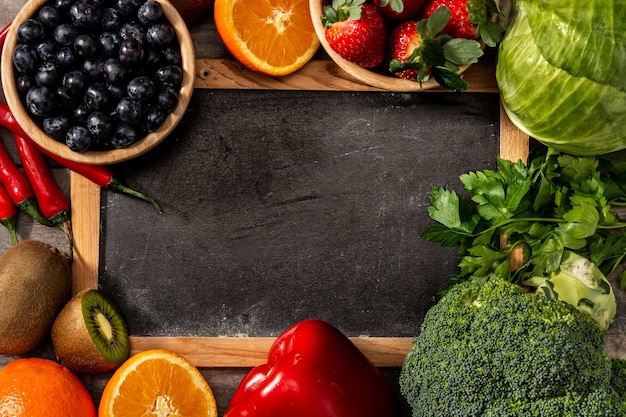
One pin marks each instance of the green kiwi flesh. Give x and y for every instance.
(35, 281)
(90, 334)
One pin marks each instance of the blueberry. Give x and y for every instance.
(115, 92)
(113, 71)
(81, 112)
(65, 34)
(160, 34)
(74, 81)
(24, 82)
(167, 98)
(171, 55)
(65, 100)
(85, 14)
(40, 101)
(149, 12)
(99, 124)
(49, 16)
(169, 75)
(63, 5)
(29, 31)
(47, 74)
(131, 51)
(78, 138)
(93, 67)
(111, 20)
(141, 88)
(109, 42)
(123, 136)
(86, 45)
(128, 8)
(129, 110)
(96, 96)
(57, 126)
(47, 50)
(24, 58)
(65, 57)
(151, 56)
(153, 118)
(132, 30)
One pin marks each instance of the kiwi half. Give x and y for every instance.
(89, 335)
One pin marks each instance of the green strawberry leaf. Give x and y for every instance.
(491, 33)
(432, 53)
(492, 7)
(446, 78)
(396, 5)
(437, 21)
(341, 10)
(462, 51)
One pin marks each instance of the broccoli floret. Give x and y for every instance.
(492, 349)
(618, 381)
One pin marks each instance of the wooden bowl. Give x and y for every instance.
(98, 157)
(372, 77)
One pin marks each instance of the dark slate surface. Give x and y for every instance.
(279, 209)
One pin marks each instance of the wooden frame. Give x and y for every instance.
(320, 75)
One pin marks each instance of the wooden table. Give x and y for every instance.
(224, 360)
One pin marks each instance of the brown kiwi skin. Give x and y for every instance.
(72, 343)
(35, 283)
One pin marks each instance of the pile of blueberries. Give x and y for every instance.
(98, 74)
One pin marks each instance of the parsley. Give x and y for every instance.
(555, 202)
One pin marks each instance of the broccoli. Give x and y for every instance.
(493, 350)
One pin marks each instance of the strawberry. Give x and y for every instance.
(356, 31)
(418, 50)
(402, 41)
(399, 10)
(471, 19)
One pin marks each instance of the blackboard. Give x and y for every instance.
(292, 205)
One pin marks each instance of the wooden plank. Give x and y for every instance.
(85, 198)
(233, 352)
(514, 146)
(319, 75)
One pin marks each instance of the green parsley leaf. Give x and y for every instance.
(555, 203)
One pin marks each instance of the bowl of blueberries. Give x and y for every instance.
(98, 81)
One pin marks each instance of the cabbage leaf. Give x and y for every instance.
(561, 73)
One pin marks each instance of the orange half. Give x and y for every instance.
(273, 37)
(157, 382)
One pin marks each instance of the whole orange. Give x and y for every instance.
(36, 387)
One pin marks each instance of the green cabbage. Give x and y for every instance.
(561, 72)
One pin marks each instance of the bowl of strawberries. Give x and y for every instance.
(407, 45)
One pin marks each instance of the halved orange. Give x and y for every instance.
(273, 37)
(157, 382)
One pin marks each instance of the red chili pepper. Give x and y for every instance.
(101, 175)
(18, 187)
(52, 202)
(8, 213)
(3, 34)
(313, 370)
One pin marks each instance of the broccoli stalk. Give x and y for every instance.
(580, 283)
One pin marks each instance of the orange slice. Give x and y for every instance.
(273, 37)
(157, 382)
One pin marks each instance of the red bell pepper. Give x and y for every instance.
(314, 370)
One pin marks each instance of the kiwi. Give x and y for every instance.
(89, 335)
(35, 282)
